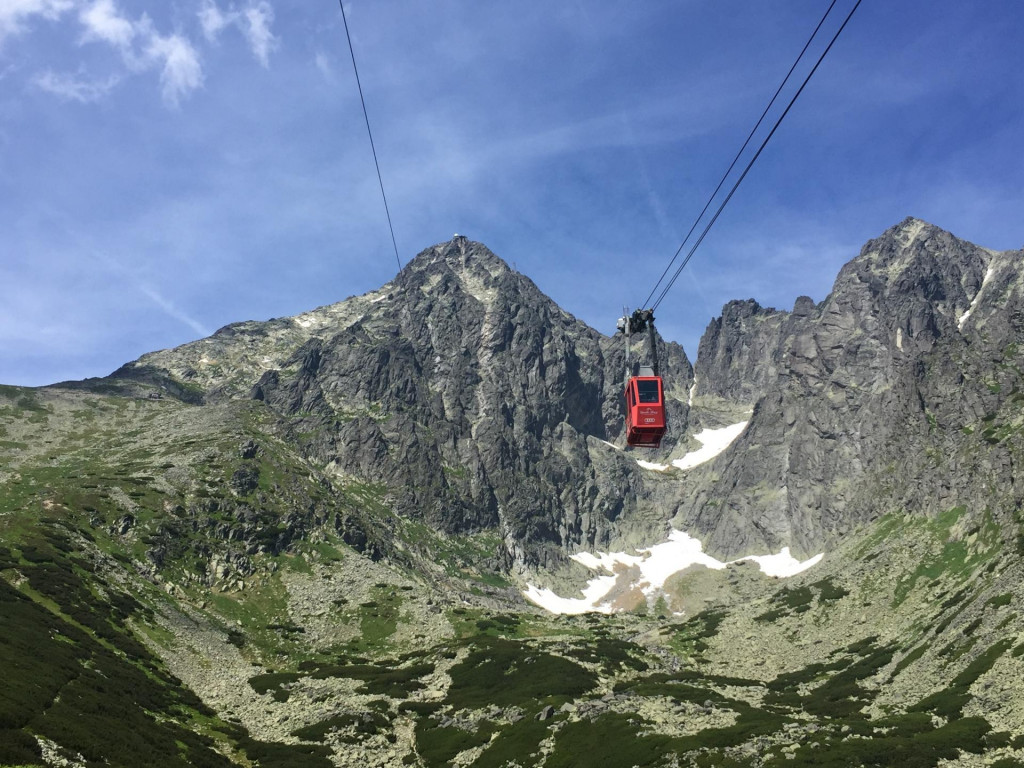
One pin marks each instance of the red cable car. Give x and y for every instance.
(645, 411)
(645, 395)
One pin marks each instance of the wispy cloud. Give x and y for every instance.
(103, 23)
(323, 63)
(14, 13)
(142, 48)
(213, 20)
(172, 309)
(181, 72)
(253, 22)
(258, 19)
(75, 87)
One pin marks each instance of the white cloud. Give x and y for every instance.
(13, 13)
(75, 88)
(103, 23)
(323, 63)
(141, 46)
(181, 70)
(171, 309)
(213, 20)
(254, 23)
(258, 19)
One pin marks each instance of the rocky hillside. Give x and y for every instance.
(736, 356)
(305, 541)
(481, 406)
(459, 386)
(898, 392)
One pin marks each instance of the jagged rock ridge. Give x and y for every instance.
(459, 386)
(865, 402)
(480, 404)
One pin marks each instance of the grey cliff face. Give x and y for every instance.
(462, 389)
(867, 401)
(735, 359)
(478, 405)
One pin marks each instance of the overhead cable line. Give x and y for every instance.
(753, 160)
(740, 152)
(370, 133)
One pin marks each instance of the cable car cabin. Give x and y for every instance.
(645, 411)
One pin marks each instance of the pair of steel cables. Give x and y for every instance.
(718, 212)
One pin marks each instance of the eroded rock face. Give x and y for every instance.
(862, 402)
(736, 356)
(477, 404)
(460, 387)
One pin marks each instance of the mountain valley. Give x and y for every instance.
(310, 541)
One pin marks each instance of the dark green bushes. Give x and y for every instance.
(60, 682)
(610, 741)
(503, 672)
(17, 747)
(380, 680)
(516, 742)
(950, 701)
(910, 744)
(355, 727)
(437, 745)
(1000, 600)
(611, 654)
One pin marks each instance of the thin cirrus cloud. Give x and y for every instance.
(142, 46)
(253, 22)
(181, 73)
(75, 87)
(103, 23)
(15, 13)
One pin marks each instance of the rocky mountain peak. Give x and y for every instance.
(463, 265)
(460, 255)
(735, 357)
(860, 396)
(458, 386)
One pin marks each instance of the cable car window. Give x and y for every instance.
(648, 391)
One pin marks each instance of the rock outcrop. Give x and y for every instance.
(865, 403)
(477, 404)
(736, 356)
(461, 388)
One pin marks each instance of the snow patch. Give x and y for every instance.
(713, 442)
(648, 570)
(783, 564)
(652, 465)
(693, 391)
(977, 297)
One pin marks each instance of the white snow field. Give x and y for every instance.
(712, 442)
(977, 297)
(648, 570)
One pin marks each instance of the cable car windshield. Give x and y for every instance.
(648, 391)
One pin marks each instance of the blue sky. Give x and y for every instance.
(166, 169)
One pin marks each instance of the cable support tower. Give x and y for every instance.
(743, 148)
(373, 148)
